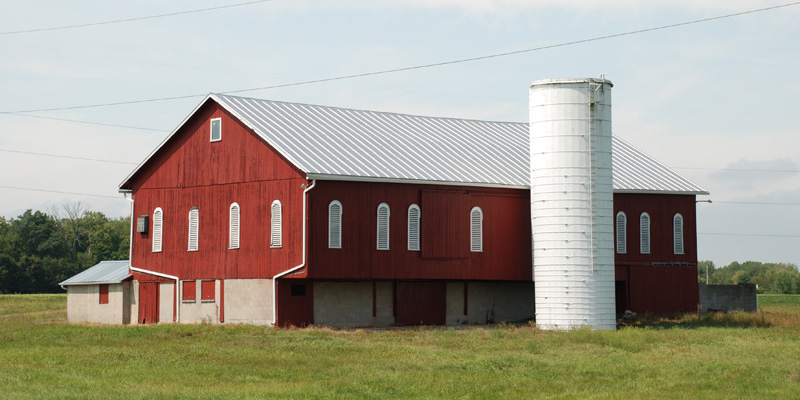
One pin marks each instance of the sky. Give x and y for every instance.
(715, 101)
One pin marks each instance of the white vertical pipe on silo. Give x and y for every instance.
(571, 203)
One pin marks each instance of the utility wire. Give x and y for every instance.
(439, 64)
(740, 169)
(747, 234)
(86, 122)
(132, 19)
(759, 203)
(70, 157)
(56, 191)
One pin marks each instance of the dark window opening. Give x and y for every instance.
(298, 290)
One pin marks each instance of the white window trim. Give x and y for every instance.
(332, 245)
(645, 233)
(677, 239)
(378, 224)
(234, 232)
(158, 230)
(472, 238)
(418, 243)
(211, 129)
(622, 245)
(276, 238)
(196, 245)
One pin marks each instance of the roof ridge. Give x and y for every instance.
(369, 111)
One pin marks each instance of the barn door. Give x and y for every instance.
(148, 302)
(295, 303)
(421, 303)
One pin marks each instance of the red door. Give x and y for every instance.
(148, 302)
(421, 303)
(295, 303)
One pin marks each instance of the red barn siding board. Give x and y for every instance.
(663, 289)
(192, 171)
(507, 246)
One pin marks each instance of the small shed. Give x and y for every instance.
(101, 294)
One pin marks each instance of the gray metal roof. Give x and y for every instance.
(104, 272)
(344, 144)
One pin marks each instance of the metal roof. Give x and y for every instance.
(104, 272)
(333, 143)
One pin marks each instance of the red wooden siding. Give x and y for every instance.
(506, 232)
(444, 229)
(192, 171)
(104, 294)
(421, 303)
(661, 208)
(295, 302)
(659, 289)
(148, 302)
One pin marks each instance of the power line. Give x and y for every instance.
(131, 19)
(439, 64)
(747, 234)
(758, 203)
(60, 192)
(740, 169)
(70, 157)
(86, 122)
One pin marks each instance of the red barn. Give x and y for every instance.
(264, 212)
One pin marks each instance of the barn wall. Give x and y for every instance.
(192, 171)
(661, 208)
(506, 231)
(662, 281)
(198, 310)
(353, 303)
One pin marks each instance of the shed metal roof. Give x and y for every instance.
(104, 272)
(344, 144)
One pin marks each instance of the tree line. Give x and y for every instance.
(783, 278)
(38, 250)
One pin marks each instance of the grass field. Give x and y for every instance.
(739, 355)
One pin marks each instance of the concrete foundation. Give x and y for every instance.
(741, 297)
(350, 304)
(490, 302)
(248, 301)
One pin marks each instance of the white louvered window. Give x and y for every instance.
(158, 229)
(234, 226)
(413, 227)
(383, 226)
(677, 232)
(194, 227)
(622, 233)
(276, 224)
(644, 234)
(476, 229)
(335, 225)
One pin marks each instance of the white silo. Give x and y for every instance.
(571, 203)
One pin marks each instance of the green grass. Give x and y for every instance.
(738, 355)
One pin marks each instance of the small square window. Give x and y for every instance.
(216, 129)
(207, 290)
(298, 290)
(104, 294)
(189, 291)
